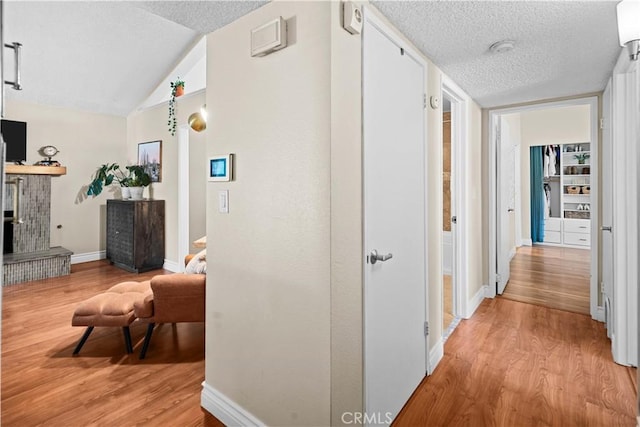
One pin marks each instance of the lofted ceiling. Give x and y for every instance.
(108, 57)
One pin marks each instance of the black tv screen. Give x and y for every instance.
(15, 136)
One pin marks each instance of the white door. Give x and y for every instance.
(607, 209)
(505, 193)
(394, 216)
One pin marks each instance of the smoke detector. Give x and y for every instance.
(502, 46)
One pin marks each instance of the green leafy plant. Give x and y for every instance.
(138, 177)
(107, 174)
(582, 157)
(176, 90)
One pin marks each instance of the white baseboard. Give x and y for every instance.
(435, 355)
(88, 256)
(172, 266)
(225, 409)
(526, 242)
(475, 301)
(512, 253)
(599, 315)
(487, 291)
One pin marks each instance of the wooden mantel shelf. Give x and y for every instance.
(35, 170)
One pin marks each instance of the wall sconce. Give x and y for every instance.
(629, 26)
(198, 121)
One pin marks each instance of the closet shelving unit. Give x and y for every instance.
(576, 181)
(576, 194)
(573, 226)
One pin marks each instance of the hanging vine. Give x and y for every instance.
(177, 89)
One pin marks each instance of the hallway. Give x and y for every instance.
(521, 364)
(551, 276)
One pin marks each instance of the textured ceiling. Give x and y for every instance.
(562, 47)
(105, 56)
(108, 57)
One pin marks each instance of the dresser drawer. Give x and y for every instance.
(579, 239)
(577, 225)
(552, 236)
(552, 224)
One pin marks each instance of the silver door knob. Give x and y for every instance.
(374, 257)
(606, 228)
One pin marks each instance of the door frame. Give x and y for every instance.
(459, 207)
(597, 312)
(625, 97)
(371, 17)
(184, 244)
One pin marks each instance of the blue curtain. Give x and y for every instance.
(537, 195)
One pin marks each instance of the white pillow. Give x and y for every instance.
(198, 264)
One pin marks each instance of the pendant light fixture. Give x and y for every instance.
(198, 120)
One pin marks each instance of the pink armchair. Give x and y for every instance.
(174, 298)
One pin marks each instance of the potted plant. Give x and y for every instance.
(138, 179)
(582, 157)
(107, 174)
(177, 89)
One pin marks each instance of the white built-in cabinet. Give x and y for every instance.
(573, 224)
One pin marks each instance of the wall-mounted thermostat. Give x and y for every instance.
(351, 18)
(269, 37)
(220, 168)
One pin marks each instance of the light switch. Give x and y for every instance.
(223, 201)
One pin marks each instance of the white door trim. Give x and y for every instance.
(184, 244)
(370, 17)
(626, 137)
(459, 207)
(493, 117)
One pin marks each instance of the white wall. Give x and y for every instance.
(565, 125)
(268, 342)
(85, 140)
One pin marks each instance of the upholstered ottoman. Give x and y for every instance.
(114, 307)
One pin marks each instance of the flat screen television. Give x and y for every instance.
(15, 136)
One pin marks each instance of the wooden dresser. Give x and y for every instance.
(135, 234)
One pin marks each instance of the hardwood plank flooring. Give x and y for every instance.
(43, 384)
(517, 364)
(447, 292)
(551, 276)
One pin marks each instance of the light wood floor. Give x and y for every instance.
(447, 292)
(511, 364)
(516, 364)
(551, 276)
(43, 384)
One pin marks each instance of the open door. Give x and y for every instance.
(607, 210)
(505, 195)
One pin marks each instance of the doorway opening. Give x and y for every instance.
(450, 316)
(544, 234)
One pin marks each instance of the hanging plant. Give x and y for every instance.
(177, 89)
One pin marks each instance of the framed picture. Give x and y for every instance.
(150, 158)
(220, 168)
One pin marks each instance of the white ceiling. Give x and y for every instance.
(108, 57)
(562, 47)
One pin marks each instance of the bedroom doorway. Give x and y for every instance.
(553, 259)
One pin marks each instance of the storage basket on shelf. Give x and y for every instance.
(577, 215)
(573, 189)
(586, 189)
